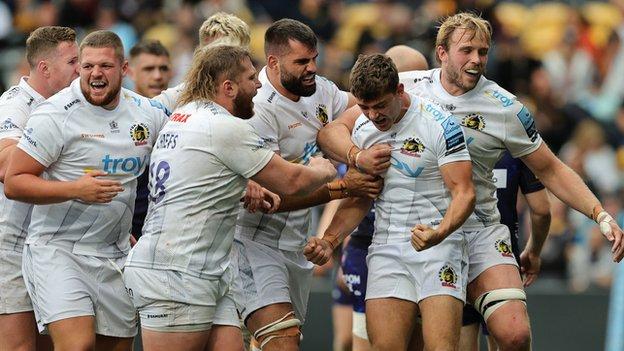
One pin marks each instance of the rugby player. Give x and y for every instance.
(52, 55)
(179, 271)
(493, 120)
(78, 161)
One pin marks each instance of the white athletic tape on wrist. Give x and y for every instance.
(490, 301)
(359, 325)
(603, 219)
(279, 324)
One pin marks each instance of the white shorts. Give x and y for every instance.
(488, 247)
(172, 301)
(268, 275)
(398, 270)
(13, 294)
(62, 285)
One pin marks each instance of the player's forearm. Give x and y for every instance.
(540, 225)
(35, 190)
(348, 216)
(335, 141)
(460, 208)
(4, 160)
(307, 180)
(317, 197)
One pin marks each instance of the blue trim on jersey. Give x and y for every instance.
(526, 118)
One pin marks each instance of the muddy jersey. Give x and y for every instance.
(16, 105)
(289, 128)
(70, 137)
(493, 121)
(414, 192)
(198, 173)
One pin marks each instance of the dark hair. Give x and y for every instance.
(104, 39)
(277, 36)
(45, 39)
(373, 76)
(152, 47)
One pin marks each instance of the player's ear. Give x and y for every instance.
(272, 62)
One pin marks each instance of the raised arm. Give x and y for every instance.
(565, 184)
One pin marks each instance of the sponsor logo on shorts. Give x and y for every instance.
(413, 147)
(473, 121)
(448, 277)
(504, 248)
(162, 315)
(139, 134)
(321, 114)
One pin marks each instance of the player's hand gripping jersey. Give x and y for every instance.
(493, 121)
(71, 137)
(289, 128)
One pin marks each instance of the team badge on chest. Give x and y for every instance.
(473, 121)
(413, 147)
(139, 134)
(321, 114)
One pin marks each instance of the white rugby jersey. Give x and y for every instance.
(198, 174)
(71, 137)
(16, 105)
(289, 128)
(414, 192)
(169, 97)
(493, 121)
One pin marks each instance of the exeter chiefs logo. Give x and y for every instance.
(473, 121)
(139, 134)
(413, 147)
(321, 114)
(447, 276)
(503, 248)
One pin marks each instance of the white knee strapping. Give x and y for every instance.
(490, 301)
(359, 325)
(279, 324)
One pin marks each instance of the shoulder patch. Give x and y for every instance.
(453, 135)
(526, 118)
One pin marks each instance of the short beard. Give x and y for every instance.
(108, 98)
(243, 106)
(295, 86)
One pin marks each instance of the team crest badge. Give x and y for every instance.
(413, 147)
(321, 114)
(503, 248)
(447, 276)
(473, 121)
(139, 134)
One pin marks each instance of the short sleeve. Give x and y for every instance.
(528, 181)
(340, 99)
(239, 148)
(13, 122)
(265, 125)
(43, 137)
(450, 142)
(168, 98)
(521, 136)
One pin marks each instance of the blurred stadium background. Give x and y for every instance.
(564, 60)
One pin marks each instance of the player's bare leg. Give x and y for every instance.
(163, 341)
(469, 337)
(390, 323)
(285, 337)
(441, 322)
(509, 324)
(18, 332)
(342, 316)
(225, 338)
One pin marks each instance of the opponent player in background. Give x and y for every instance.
(78, 161)
(199, 168)
(427, 192)
(52, 55)
(493, 120)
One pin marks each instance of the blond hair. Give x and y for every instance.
(224, 29)
(373, 76)
(211, 66)
(104, 39)
(463, 20)
(42, 41)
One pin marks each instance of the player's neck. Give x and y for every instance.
(406, 101)
(273, 77)
(39, 85)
